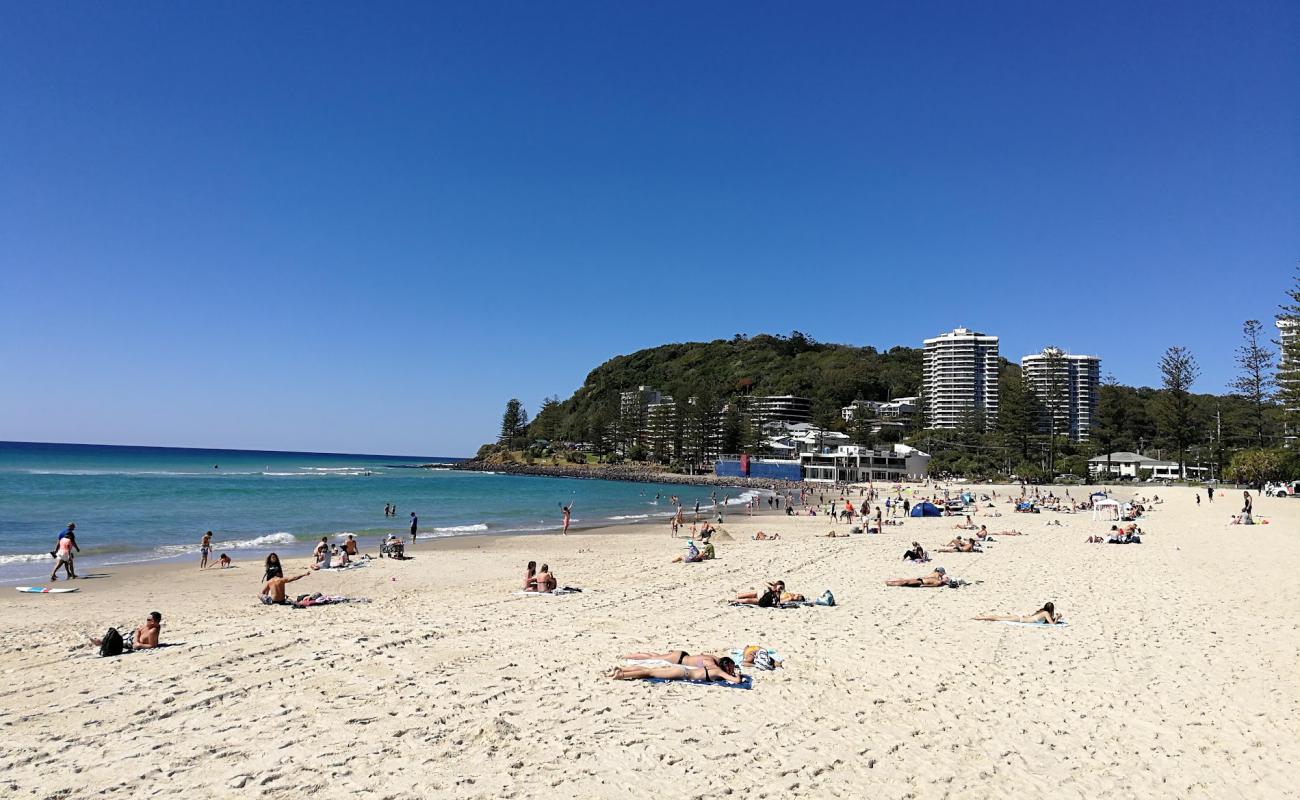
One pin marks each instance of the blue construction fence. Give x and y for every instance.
(768, 470)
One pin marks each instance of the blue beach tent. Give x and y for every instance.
(926, 509)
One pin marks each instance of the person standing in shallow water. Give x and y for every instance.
(568, 513)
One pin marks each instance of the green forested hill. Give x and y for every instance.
(831, 375)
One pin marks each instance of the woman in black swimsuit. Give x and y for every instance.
(680, 657)
(724, 671)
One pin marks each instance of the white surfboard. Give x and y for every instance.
(46, 590)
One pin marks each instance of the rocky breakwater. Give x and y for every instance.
(636, 473)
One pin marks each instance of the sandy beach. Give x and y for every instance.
(1176, 677)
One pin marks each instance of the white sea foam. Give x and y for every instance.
(334, 469)
(631, 516)
(311, 473)
(482, 526)
(171, 550)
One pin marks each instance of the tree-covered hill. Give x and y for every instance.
(831, 375)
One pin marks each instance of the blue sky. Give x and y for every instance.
(363, 227)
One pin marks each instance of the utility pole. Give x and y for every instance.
(1218, 442)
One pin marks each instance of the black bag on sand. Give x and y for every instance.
(112, 644)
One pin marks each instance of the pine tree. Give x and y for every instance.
(1255, 384)
(513, 423)
(1175, 412)
(1017, 414)
(1112, 417)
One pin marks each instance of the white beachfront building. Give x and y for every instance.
(893, 409)
(854, 464)
(960, 377)
(1138, 466)
(1068, 385)
(1288, 330)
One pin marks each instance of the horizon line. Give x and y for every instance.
(232, 450)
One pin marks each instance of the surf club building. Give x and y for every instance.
(842, 464)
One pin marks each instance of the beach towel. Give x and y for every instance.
(745, 682)
(798, 604)
(561, 591)
(1059, 624)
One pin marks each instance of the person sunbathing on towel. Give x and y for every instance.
(984, 533)
(724, 671)
(934, 580)
(546, 581)
(530, 577)
(142, 638)
(1046, 615)
(766, 537)
(960, 545)
(965, 526)
(775, 595)
(680, 657)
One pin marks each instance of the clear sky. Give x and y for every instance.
(363, 227)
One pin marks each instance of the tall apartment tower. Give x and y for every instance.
(1288, 372)
(960, 376)
(1068, 387)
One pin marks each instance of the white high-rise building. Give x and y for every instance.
(1068, 386)
(1288, 329)
(960, 376)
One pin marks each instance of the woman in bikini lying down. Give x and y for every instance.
(680, 657)
(1046, 615)
(724, 671)
(775, 595)
(934, 580)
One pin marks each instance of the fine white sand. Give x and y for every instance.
(1177, 676)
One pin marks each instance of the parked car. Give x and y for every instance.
(1291, 489)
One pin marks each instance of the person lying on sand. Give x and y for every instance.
(725, 670)
(934, 580)
(773, 596)
(834, 535)
(960, 545)
(273, 589)
(766, 537)
(1046, 615)
(967, 525)
(680, 657)
(984, 533)
(546, 581)
(142, 638)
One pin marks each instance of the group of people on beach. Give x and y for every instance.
(539, 580)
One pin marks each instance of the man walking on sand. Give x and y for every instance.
(415, 524)
(63, 552)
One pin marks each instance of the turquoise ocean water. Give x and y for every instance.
(136, 504)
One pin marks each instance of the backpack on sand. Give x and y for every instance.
(112, 644)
